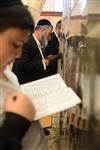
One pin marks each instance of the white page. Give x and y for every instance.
(50, 95)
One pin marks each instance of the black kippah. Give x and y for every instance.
(44, 22)
(9, 3)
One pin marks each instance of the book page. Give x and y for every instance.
(50, 95)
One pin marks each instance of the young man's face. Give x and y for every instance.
(11, 43)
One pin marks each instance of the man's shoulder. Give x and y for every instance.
(53, 36)
(31, 43)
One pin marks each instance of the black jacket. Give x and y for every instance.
(12, 131)
(29, 66)
(52, 49)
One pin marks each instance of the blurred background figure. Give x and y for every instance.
(53, 48)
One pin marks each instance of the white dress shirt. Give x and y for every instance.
(39, 46)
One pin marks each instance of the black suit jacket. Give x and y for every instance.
(29, 66)
(52, 49)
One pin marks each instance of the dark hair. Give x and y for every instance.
(44, 22)
(16, 16)
(58, 24)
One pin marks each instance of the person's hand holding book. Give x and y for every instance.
(20, 104)
(52, 58)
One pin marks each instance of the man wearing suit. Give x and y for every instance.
(32, 65)
(53, 49)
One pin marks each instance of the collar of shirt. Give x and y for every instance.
(37, 41)
(39, 46)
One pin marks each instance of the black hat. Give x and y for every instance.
(9, 3)
(44, 22)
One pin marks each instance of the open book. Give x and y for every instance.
(50, 95)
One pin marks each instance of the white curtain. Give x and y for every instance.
(35, 7)
(92, 7)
